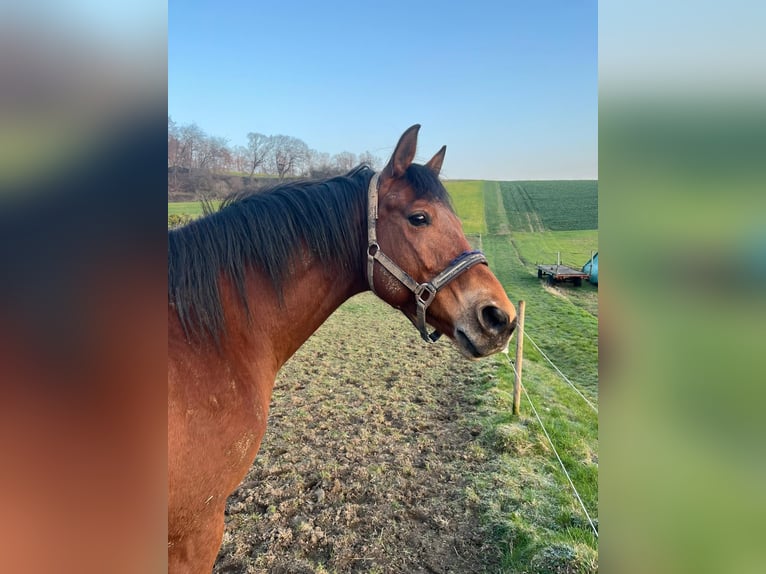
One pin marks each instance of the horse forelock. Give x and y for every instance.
(426, 184)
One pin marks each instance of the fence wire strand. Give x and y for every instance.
(553, 447)
(563, 376)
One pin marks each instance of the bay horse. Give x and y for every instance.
(248, 284)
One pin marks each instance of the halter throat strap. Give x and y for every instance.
(424, 293)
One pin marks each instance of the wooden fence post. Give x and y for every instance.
(519, 358)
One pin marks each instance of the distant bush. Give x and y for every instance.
(178, 219)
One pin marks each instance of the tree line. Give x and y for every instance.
(190, 149)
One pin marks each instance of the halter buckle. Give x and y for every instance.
(425, 293)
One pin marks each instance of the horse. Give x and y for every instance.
(249, 283)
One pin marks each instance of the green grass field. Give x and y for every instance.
(527, 498)
(193, 208)
(551, 205)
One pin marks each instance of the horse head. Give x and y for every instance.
(419, 260)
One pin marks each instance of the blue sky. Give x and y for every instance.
(511, 87)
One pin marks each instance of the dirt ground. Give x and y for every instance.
(365, 461)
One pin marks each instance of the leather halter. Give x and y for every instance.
(425, 293)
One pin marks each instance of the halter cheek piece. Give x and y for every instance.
(425, 293)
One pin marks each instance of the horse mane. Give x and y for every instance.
(266, 230)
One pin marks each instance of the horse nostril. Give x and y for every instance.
(494, 319)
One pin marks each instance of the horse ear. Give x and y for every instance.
(435, 163)
(403, 154)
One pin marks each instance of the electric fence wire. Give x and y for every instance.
(563, 467)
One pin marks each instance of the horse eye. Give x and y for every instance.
(419, 219)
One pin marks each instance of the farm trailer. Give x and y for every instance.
(559, 273)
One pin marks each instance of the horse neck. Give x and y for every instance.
(310, 295)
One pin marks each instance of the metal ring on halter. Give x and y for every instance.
(425, 288)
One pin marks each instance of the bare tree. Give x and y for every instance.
(372, 160)
(241, 159)
(191, 141)
(289, 155)
(190, 149)
(210, 153)
(259, 147)
(344, 161)
(173, 148)
(173, 143)
(217, 153)
(310, 162)
(321, 165)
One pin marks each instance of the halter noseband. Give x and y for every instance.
(425, 293)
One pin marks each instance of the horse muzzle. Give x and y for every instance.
(484, 330)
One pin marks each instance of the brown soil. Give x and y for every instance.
(366, 458)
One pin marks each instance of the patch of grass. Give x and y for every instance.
(564, 559)
(522, 494)
(468, 200)
(494, 209)
(193, 208)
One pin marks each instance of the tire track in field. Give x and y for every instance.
(494, 209)
(525, 207)
(517, 251)
(511, 208)
(535, 223)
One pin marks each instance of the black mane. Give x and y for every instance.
(266, 230)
